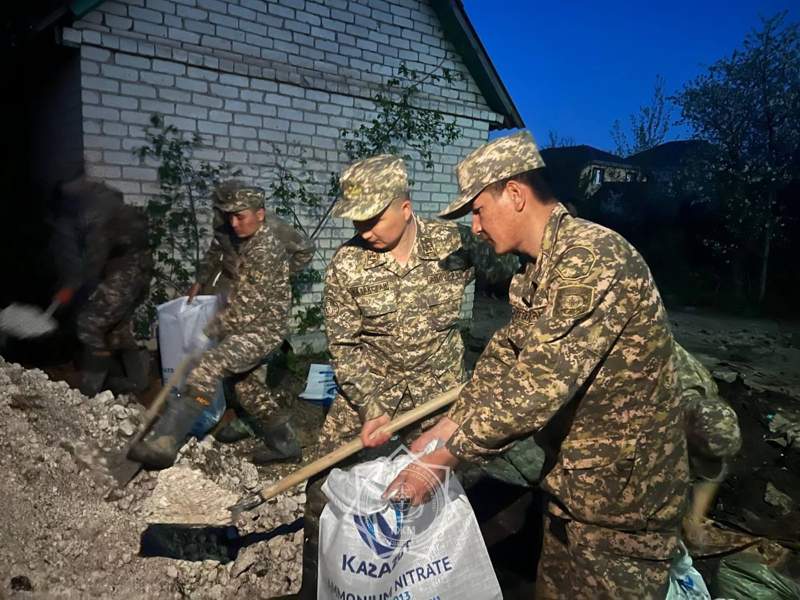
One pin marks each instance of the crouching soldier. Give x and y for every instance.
(712, 435)
(251, 326)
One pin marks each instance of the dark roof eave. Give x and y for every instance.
(459, 30)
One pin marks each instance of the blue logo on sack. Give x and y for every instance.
(378, 534)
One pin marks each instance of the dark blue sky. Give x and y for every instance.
(573, 66)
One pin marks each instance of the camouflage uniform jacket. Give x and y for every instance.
(393, 330)
(586, 362)
(255, 320)
(217, 270)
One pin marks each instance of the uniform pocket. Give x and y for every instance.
(379, 314)
(598, 474)
(444, 311)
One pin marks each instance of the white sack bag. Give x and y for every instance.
(372, 549)
(685, 582)
(180, 332)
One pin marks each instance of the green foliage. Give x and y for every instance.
(649, 127)
(309, 318)
(179, 215)
(400, 126)
(748, 107)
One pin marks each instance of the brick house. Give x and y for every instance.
(250, 76)
(580, 172)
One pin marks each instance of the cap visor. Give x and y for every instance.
(458, 208)
(351, 210)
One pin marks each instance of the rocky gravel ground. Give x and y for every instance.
(67, 531)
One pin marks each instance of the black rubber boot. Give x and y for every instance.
(280, 443)
(235, 430)
(95, 364)
(136, 363)
(159, 448)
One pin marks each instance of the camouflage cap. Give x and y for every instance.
(494, 161)
(369, 185)
(233, 196)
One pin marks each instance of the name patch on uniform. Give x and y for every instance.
(425, 246)
(444, 276)
(574, 300)
(576, 263)
(372, 288)
(526, 316)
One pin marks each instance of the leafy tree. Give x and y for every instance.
(649, 127)
(748, 107)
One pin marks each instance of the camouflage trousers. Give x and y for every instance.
(341, 426)
(577, 565)
(249, 381)
(106, 320)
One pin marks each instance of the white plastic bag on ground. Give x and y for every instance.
(180, 332)
(685, 582)
(372, 549)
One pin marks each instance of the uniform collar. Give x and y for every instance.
(423, 249)
(244, 245)
(549, 240)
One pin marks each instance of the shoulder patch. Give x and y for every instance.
(573, 300)
(441, 238)
(576, 263)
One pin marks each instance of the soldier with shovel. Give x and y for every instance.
(102, 250)
(251, 326)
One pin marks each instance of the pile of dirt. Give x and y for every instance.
(67, 531)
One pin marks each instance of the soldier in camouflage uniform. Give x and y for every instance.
(713, 437)
(252, 324)
(586, 363)
(392, 303)
(712, 427)
(217, 271)
(102, 250)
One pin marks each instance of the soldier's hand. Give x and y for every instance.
(369, 432)
(417, 483)
(193, 291)
(441, 431)
(64, 295)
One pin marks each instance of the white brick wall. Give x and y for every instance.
(253, 77)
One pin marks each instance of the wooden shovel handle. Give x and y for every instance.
(350, 448)
(155, 406)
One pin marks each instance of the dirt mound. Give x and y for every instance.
(65, 531)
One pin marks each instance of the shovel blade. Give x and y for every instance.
(123, 469)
